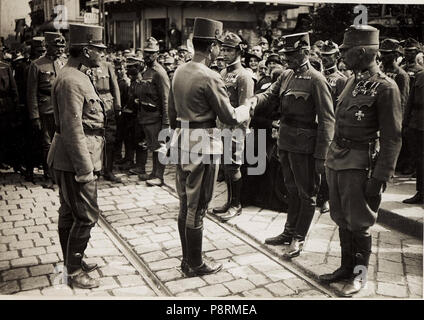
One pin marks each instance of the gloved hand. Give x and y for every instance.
(86, 178)
(36, 124)
(373, 187)
(319, 166)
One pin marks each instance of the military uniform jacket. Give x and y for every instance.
(107, 86)
(134, 92)
(240, 85)
(336, 80)
(8, 89)
(306, 108)
(21, 76)
(41, 75)
(414, 113)
(154, 96)
(78, 110)
(198, 94)
(124, 86)
(368, 108)
(402, 80)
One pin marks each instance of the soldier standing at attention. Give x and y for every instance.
(107, 86)
(306, 130)
(368, 115)
(240, 85)
(330, 55)
(76, 153)
(41, 75)
(152, 114)
(198, 95)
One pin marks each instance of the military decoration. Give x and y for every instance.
(367, 88)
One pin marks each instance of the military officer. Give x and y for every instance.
(152, 114)
(76, 153)
(306, 130)
(414, 123)
(41, 75)
(240, 85)
(356, 170)
(198, 95)
(411, 49)
(107, 86)
(329, 56)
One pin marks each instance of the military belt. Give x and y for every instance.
(104, 91)
(198, 125)
(299, 124)
(88, 131)
(355, 145)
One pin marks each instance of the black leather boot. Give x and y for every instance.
(184, 261)
(284, 238)
(140, 162)
(224, 208)
(81, 279)
(108, 174)
(362, 249)
(346, 269)
(418, 198)
(88, 267)
(197, 267)
(235, 207)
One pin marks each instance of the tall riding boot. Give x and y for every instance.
(362, 248)
(182, 232)
(346, 269)
(63, 239)
(108, 174)
(224, 208)
(235, 207)
(197, 266)
(76, 275)
(158, 171)
(140, 162)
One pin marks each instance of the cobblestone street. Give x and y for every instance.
(144, 218)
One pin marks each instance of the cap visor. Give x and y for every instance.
(101, 46)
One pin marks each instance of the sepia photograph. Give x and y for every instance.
(211, 156)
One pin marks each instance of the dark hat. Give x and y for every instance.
(207, 29)
(295, 42)
(329, 47)
(250, 55)
(152, 45)
(273, 57)
(86, 34)
(231, 40)
(411, 44)
(391, 45)
(54, 39)
(38, 42)
(360, 35)
(182, 48)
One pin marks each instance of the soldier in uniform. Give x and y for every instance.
(368, 118)
(152, 114)
(41, 75)
(330, 55)
(198, 95)
(414, 124)
(306, 130)
(38, 47)
(220, 63)
(240, 85)
(8, 101)
(76, 153)
(107, 86)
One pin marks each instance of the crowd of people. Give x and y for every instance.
(331, 117)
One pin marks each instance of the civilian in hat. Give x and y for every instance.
(198, 96)
(240, 86)
(411, 49)
(41, 75)
(105, 81)
(263, 42)
(76, 153)
(306, 130)
(264, 79)
(182, 52)
(355, 175)
(169, 64)
(152, 114)
(272, 62)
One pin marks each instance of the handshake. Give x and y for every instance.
(249, 105)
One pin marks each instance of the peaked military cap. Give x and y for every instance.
(329, 47)
(231, 40)
(207, 29)
(294, 42)
(360, 35)
(54, 39)
(182, 48)
(391, 45)
(38, 42)
(152, 45)
(86, 34)
(411, 44)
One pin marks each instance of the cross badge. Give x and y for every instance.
(359, 115)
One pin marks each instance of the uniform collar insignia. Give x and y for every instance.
(86, 70)
(303, 67)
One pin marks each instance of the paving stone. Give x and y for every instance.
(101, 252)
(258, 279)
(258, 293)
(220, 277)
(297, 284)
(248, 259)
(390, 267)
(243, 249)
(15, 274)
(219, 254)
(216, 290)
(106, 283)
(42, 270)
(24, 223)
(392, 290)
(58, 291)
(28, 236)
(9, 255)
(34, 282)
(164, 264)
(33, 251)
(154, 256)
(143, 291)
(169, 274)
(116, 269)
(21, 244)
(161, 237)
(147, 248)
(181, 285)
(279, 289)
(277, 275)
(9, 287)
(48, 258)
(17, 231)
(239, 285)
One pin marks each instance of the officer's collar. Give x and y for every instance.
(233, 66)
(366, 74)
(86, 70)
(303, 67)
(330, 70)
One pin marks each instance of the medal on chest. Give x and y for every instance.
(366, 88)
(230, 79)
